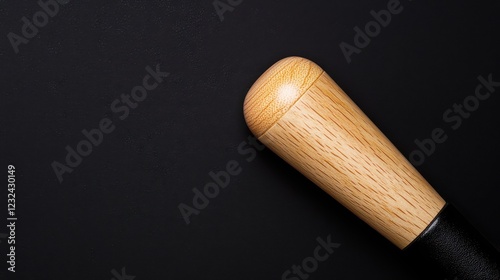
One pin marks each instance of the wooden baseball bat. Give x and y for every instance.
(303, 116)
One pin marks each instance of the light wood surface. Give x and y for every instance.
(302, 115)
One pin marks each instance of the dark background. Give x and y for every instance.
(119, 207)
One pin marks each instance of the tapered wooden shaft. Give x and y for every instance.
(302, 115)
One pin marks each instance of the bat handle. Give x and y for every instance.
(303, 116)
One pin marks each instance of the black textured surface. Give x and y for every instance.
(119, 207)
(456, 248)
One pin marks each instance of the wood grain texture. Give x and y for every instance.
(323, 134)
(276, 91)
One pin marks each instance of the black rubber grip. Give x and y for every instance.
(456, 248)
